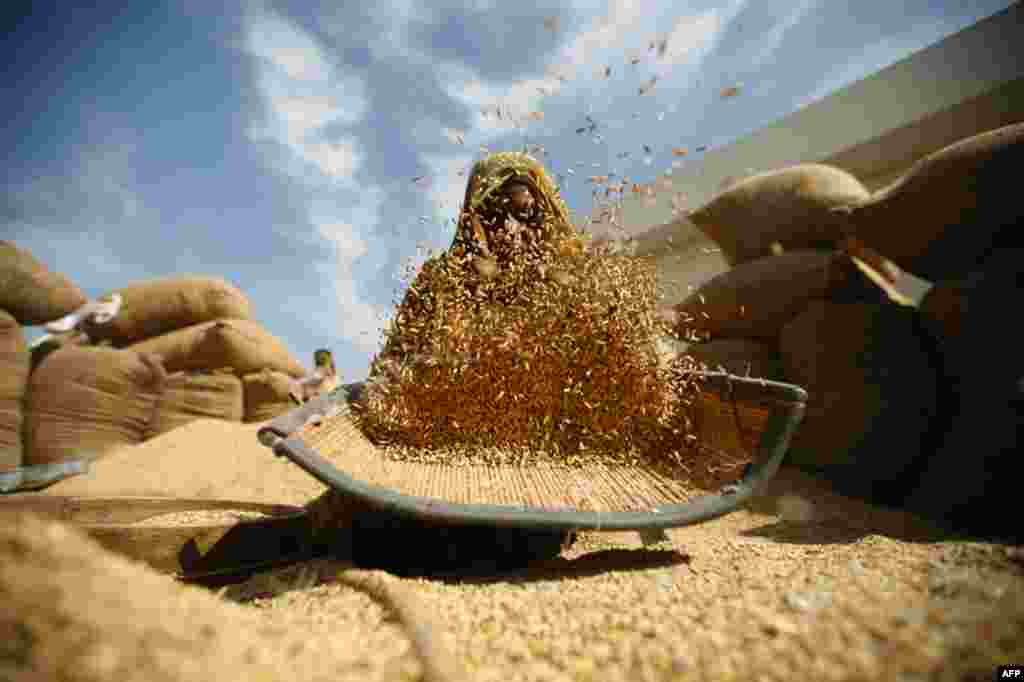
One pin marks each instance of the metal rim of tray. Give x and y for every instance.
(788, 404)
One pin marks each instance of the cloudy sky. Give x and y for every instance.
(277, 145)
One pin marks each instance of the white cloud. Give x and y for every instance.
(287, 47)
(305, 94)
(338, 159)
(393, 19)
(356, 321)
(448, 177)
(344, 239)
(88, 251)
(770, 41)
(516, 102)
(609, 31)
(97, 191)
(692, 37)
(574, 69)
(631, 26)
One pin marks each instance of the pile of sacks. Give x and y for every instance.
(917, 406)
(177, 349)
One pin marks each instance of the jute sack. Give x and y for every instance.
(971, 480)
(242, 345)
(792, 206)
(76, 611)
(188, 396)
(83, 402)
(13, 380)
(742, 357)
(941, 218)
(158, 306)
(30, 292)
(869, 371)
(968, 317)
(941, 309)
(55, 342)
(266, 395)
(755, 299)
(971, 483)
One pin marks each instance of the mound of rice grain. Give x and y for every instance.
(527, 360)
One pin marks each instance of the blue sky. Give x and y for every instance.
(276, 144)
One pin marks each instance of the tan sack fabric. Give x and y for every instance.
(755, 299)
(941, 309)
(158, 306)
(75, 611)
(942, 217)
(792, 206)
(869, 372)
(188, 396)
(83, 402)
(743, 357)
(30, 292)
(968, 320)
(13, 380)
(242, 345)
(266, 395)
(54, 342)
(971, 480)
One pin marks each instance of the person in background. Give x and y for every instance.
(324, 379)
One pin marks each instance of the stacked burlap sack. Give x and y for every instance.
(895, 391)
(971, 478)
(179, 349)
(30, 294)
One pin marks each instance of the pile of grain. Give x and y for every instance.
(550, 355)
(208, 458)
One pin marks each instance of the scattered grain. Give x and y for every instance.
(202, 517)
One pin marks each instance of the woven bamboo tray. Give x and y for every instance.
(739, 419)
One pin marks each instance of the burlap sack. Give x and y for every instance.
(869, 371)
(941, 309)
(755, 299)
(30, 292)
(13, 380)
(941, 218)
(55, 342)
(743, 357)
(792, 206)
(83, 402)
(266, 395)
(159, 306)
(971, 481)
(188, 396)
(242, 345)
(970, 317)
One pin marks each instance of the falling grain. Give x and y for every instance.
(543, 348)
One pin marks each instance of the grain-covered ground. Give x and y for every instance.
(803, 585)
